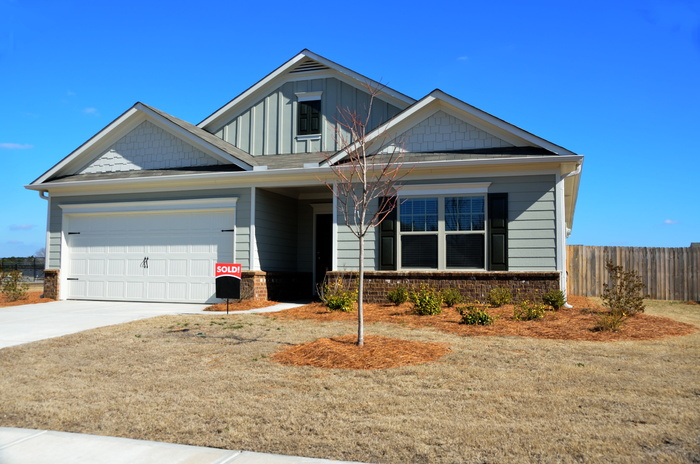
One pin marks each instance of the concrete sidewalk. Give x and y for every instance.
(27, 446)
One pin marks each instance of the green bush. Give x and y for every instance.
(426, 300)
(12, 286)
(499, 296)
(338, 295)
(451, 297)
(526, 310)
(398, 295)
(609, 321)
(555, 299)
(625, 292)
(475, 314)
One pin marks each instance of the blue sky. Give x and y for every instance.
(615, 81)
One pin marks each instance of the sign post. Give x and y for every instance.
(228, 281)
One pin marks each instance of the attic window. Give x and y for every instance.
(309, 113)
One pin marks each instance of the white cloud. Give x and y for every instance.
(16, 146)
(91, 111)
(22, 226)
(670, 221)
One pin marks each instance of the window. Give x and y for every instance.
(443, 232)
(309, 117)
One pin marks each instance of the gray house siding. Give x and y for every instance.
(276, 231)
(242, 244)
(269, 126)
(531, 225)
(531, 221)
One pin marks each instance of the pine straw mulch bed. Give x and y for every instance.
(577, 323)
(378, 352)
(32, 298)
(241, 305)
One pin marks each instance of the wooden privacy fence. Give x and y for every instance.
(668, 273)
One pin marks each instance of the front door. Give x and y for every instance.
(324, 246)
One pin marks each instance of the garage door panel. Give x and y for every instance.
(116, 289)
(181, 248)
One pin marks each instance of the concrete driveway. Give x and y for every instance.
(29, 323)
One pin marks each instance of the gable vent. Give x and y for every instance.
(309, 65)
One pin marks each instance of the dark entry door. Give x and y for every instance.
(324, 245)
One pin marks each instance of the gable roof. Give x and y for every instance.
(305, 64)
(437, 100)
(219, 150)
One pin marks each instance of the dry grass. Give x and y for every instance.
(209, 380)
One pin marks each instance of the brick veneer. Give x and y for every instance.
(473, 285)
(51, 283)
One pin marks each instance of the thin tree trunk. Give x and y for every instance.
(360, 296)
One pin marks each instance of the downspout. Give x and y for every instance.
(567, 233)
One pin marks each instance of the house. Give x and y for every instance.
(144, 209)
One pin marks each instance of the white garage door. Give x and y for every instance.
(149, 256)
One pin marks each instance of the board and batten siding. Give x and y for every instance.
(242, 211)
(276, 231)
(269, 126)
(531, 225)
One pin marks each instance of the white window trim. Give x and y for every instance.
(308, 96)
(443, 189)
(441, 233)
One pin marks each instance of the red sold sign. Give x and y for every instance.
(227, 269)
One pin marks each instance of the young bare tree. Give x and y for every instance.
(364, 176)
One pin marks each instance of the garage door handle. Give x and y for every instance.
(72, 278)
(144, 263)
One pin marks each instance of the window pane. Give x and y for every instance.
(419, 251)
(464, 213)
(465, 251)
(418, 215)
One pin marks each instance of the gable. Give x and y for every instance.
(270, 125)
(444, 132)
(147, 146)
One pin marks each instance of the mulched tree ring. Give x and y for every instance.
(377, 353)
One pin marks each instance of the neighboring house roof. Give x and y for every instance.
(306, 62)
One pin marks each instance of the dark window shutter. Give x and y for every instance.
(498, 232)
(387, 237)
(309, 120)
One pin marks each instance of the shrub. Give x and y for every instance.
(499, 296)
(451, 296)
(528, 311)
(398, 295)
(12, 286)
(624, 294)
(555, 299)
(338, 295)
(426, 300)
(475, 314)
(609, 321)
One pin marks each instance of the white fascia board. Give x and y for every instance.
(499, 123)
(280, 76)
(129, 118)
(192, 139)
(393, 123)
(250, 91)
